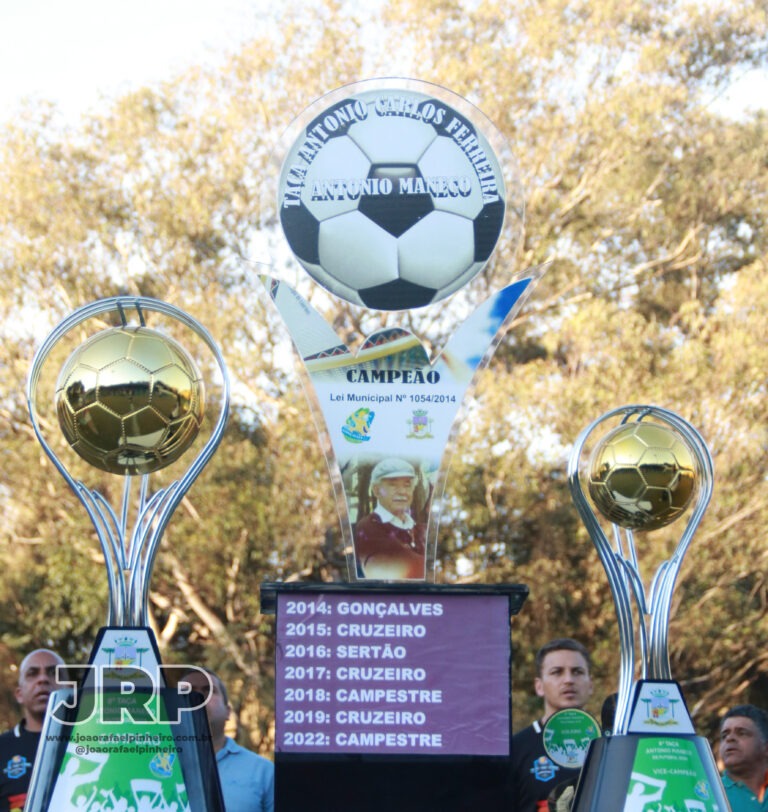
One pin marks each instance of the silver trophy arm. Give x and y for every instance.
(616, 580)
(128, 552)
(623, 568)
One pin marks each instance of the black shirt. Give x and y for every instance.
(17, 757)
(534, 774)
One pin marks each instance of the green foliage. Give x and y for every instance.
(650, 209)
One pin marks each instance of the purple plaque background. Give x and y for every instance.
(459, 658)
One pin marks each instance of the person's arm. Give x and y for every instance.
(268, 793)
(268, 804)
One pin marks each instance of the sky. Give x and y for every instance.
(76, 52)
(80, 54)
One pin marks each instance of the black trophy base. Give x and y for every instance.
(449, 639)
(619, 771)
(380, 784)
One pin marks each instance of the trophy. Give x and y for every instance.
(130, 401)
(645, 473)
(393, 194)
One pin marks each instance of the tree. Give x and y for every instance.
(649, 207)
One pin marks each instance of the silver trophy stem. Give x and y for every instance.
(129, 553)
(622, 567)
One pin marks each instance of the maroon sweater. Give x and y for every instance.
(389, 552)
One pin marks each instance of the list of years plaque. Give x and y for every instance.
(407, 674)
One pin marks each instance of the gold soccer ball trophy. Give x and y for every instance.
(649, 471)
(644, 474)
(130, 401)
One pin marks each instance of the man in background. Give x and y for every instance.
(563, 681)
(247, 779)
(744, 753)
(18, 747)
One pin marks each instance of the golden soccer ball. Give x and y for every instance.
(642, 475)
(130, 400)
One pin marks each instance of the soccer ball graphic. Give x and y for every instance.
(130, 400)
(642, 475)
(392, 200)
